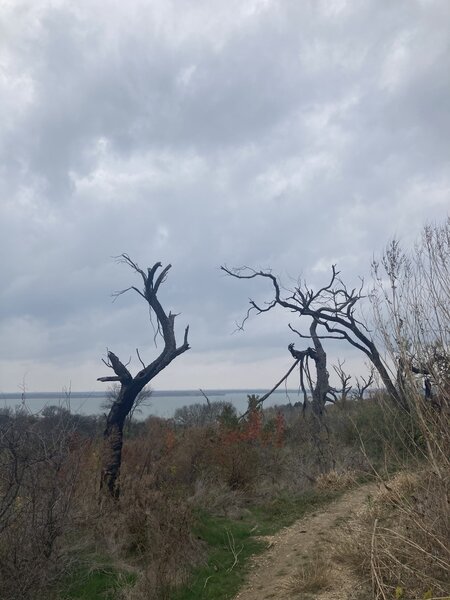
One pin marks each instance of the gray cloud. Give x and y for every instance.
(281, 134)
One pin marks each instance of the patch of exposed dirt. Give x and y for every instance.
(298, 563)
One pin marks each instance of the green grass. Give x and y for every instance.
(96, 582)
(284, 510)
(222, 576)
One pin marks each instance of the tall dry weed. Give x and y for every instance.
(400, 538)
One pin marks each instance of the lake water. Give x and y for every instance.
(161, 403)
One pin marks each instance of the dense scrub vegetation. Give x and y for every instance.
(181, 485)
(198, 489)
(194, 496)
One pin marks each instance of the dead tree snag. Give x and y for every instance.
(333, 308)
(320, 390)
(131, 386)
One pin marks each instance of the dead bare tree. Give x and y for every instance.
(131, 386)
(363, 384)
(344, 380)
(319, 388)
(333, 307)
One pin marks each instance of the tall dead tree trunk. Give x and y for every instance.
(322, 387)
(131, 386)
(319, 389)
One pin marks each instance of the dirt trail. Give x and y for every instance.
(273, 572)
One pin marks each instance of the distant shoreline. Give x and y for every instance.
(162, 403)
(155, 393)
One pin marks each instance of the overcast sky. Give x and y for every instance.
(283, 134)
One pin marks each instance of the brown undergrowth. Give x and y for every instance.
(144, 545)
(400, 539)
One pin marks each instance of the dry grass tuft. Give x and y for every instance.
(216, 498)
(311, 578)
(336, 480)
(401, 538)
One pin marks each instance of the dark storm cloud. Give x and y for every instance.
(283, 134)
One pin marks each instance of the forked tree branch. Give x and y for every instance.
(166, 324)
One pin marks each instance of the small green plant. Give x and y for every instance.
(100, 582)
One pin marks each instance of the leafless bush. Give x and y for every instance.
(151, 530)
(38, 474)
(411, 299)
(401, 538)
(217, 497)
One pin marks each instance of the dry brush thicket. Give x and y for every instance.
(53, 525)
(40, 463)
(401, 539)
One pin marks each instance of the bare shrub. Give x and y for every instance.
(151, 530)
(401, 538)
(411, 299)
(217, 498)
(38, 476)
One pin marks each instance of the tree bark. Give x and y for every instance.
(322, 387)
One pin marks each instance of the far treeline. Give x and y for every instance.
(153, 509)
